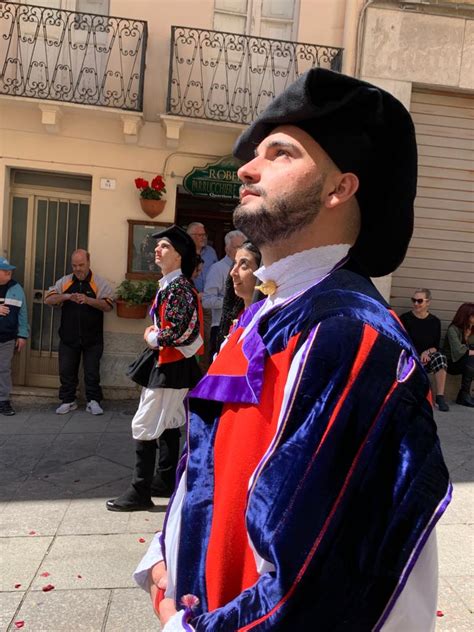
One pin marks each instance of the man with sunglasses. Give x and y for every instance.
(425, 331)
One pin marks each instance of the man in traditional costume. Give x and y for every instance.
(313, 477)
(176, 337)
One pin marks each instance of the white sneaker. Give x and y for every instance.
(66, 408)
(94, 408)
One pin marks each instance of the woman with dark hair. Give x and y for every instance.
(459, 350)
(240, 288)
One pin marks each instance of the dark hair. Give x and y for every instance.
(462, 316)
(232, 304)
(248, 245)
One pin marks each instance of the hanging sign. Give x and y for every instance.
(217, 179)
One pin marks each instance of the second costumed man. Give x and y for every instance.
(176, 335)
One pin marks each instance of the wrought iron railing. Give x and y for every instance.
(69, 56)
(231, 77)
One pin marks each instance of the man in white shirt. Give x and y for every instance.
(214, 288)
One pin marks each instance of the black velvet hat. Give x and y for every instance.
(182, 243)
(366, 131)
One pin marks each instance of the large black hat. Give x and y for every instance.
(182, 243)
(366, 131)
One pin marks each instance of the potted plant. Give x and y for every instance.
(151, 195)
(134, 297)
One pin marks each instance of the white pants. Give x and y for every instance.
(158, 410)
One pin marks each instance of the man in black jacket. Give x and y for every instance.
(83, 297)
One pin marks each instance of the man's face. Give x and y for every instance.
(5, 276)
(199, 236)
(80, 265)
(282, 186)
(234, 244)
(166, 256)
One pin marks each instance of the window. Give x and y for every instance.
(276, 19)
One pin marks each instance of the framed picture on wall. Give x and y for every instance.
(141, 249)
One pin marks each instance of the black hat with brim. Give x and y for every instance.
(365, 131)
(182, 243)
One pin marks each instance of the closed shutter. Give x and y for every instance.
(441, 253)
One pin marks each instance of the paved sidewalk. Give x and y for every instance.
(56, 473)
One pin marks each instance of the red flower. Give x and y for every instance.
(140, 183)
(157, 183)
(439, 613)
(142, 540)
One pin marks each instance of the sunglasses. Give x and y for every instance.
(418, 300)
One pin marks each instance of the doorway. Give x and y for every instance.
(49, 218)
(214, 213)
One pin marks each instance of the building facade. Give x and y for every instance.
(95, 93)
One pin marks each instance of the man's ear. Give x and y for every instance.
(344, 188)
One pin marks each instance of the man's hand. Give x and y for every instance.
(167, 610)
(20, 344)
(147, 331)
(4, 310)
(79, 298)
(158, 578)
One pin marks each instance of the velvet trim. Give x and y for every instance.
(352, 484)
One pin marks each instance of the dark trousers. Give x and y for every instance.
(213, 342)
(69, 361)
(465, 368)
(168, 444)
(145, 458)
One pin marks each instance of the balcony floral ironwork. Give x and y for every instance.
(72, 57)
(231, 77)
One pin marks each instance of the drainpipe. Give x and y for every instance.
(352, 41)
(349, 37)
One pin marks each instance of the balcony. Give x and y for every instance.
(72, 57)
(230, 77)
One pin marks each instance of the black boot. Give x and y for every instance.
(165, 477)
(138, 495)
(6, 408)
(464, 396)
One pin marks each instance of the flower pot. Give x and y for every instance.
(127, 310)
(152, 207)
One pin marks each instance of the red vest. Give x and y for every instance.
(172, 354)
(230, 564)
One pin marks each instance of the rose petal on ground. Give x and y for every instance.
(141, 540)
(19, 624)
(45, 574)
(47, 588)
(79, 576)
(17, 585)
(439, 613)
(32, 533)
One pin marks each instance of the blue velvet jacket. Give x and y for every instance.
(354, 480)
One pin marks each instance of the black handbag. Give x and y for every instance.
(139, 370)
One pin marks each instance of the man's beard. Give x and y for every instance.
(277, 220)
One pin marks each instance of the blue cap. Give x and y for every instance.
(5, 264)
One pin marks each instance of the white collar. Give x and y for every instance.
(301, 270)
(171, 276)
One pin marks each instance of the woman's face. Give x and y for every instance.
(471, 321)
(242, 274)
